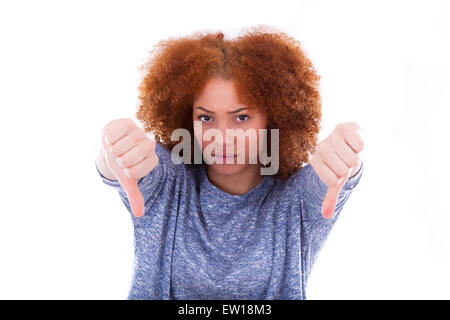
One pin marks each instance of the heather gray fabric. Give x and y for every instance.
(196, 241)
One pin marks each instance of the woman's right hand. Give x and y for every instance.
(129, 155)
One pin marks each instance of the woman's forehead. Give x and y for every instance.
(220, 96)
(221, 108)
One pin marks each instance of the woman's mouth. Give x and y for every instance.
(225, 157)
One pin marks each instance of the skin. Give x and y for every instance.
(218, 107)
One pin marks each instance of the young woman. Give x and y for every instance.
(220, 229)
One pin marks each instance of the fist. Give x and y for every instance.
(337, 158)
(130, 155)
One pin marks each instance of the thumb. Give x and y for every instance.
(128, 184)
(133, 193)
(330, 200)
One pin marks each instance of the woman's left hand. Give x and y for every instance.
(336, 159)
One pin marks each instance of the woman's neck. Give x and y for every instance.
(239, 183)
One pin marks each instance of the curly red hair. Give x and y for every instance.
(271, 73)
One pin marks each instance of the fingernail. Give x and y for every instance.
(127, 173)
(119, 162)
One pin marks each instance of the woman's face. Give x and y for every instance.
(217, 107)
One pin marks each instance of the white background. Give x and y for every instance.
(69, 67)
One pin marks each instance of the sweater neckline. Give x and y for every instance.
(214, 191)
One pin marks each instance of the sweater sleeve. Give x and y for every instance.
(149, 185)
(314, 227)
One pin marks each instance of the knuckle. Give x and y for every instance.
(151, 142)
(342, 172)
(340, 127)
(351, 126)
(138, 150)
(106, 137)
(347, 130)
(127, 123)
(144, 150)
(332, 181)
(361, 146)
(336, 143)
(357, 148)
(114, 124)
(131, 173)
(120, 125)
(334, 138)
(113, 149)
(125, 160)
(111, 123)
(355, 126)
(335, 181)
(106, 133)
(321, 151)
(139, 135)
(149, 145)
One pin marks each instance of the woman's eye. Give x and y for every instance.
(242, 117)
(204, 118)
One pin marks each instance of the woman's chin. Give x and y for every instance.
(227, 169)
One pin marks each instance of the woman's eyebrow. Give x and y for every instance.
(235, 111)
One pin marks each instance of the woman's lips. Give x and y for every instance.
(225, 157)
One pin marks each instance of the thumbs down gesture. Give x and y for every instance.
(336, 159)
(129, 155)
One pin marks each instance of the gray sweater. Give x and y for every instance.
(196, 241)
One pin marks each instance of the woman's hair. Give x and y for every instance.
(271, 73)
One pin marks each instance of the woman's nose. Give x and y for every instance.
(227, 139)
(223, 126)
